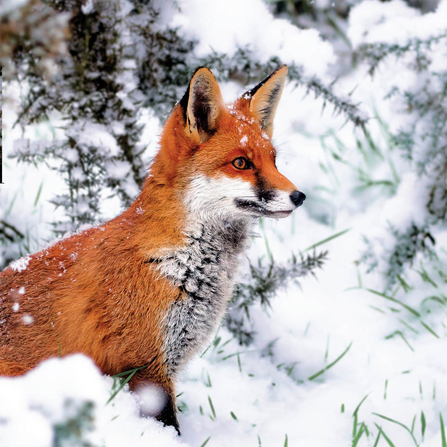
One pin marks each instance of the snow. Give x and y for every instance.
(40, 401)
(253, 27)
(118, 169)
(151, 399)
(21, 264)
(405, 207)
(27, 319)
(311, 325)
(8, 6)
(87, 7)
(393, 22)
(89, 135)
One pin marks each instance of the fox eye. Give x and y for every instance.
(241, 163)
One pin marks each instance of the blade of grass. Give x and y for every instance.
(423, 424)
(208, 381)
(402, 336)
(125, 373)
(341, 233)
(359, 278)
(216, 341)
(378, 439)
(307, 328)
(326, 354)
(237, 354)
(404, 284)
(11, 204)
(356, 440)
(206, 441)
(425, 277)
(398, 423)
(120, 387)
(332, 22)
(212, 406)
(388, 440)
(204, 352)
(429, 329)
(123, 383)
(38, 193)
(408, 326)
(267, 246)
(410, 309)
(377, 309)
(359, 405)
(354, 426)
(239, 363)
(319, 373)
(443, 439)
(215, 337)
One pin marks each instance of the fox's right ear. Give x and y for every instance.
(202, 105)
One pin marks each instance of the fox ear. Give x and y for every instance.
(202, 105)
(264, 98)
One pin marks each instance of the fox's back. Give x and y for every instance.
(84, 294)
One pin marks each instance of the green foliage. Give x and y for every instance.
(92, 90)
(402, 254)
(422, 142)
(261, 285)
(79, 421)
(121, 380)
(375, 53)
(118, 63)
(244, 67)
(10, 238)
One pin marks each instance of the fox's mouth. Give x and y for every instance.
(259, 210)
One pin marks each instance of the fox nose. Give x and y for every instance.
(297, 197)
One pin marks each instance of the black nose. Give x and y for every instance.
(297, 197)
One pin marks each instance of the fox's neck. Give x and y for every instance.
(163, 221)
(204, 271)
(198, 253)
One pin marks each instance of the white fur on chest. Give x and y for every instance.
(204, 271)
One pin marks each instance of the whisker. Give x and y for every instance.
(282, 133)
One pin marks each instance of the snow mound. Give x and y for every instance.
(63, 402)
(395, 22)
(226, 25)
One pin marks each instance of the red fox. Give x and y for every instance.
(148, 288)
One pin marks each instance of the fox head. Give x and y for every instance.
(220, 158)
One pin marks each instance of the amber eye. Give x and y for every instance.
(241, 163)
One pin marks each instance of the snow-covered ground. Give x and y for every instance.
(381, 356)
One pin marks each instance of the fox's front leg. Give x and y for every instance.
(157, 398)
(168, 415)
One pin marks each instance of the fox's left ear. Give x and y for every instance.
(202, 106)
(264, 98)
